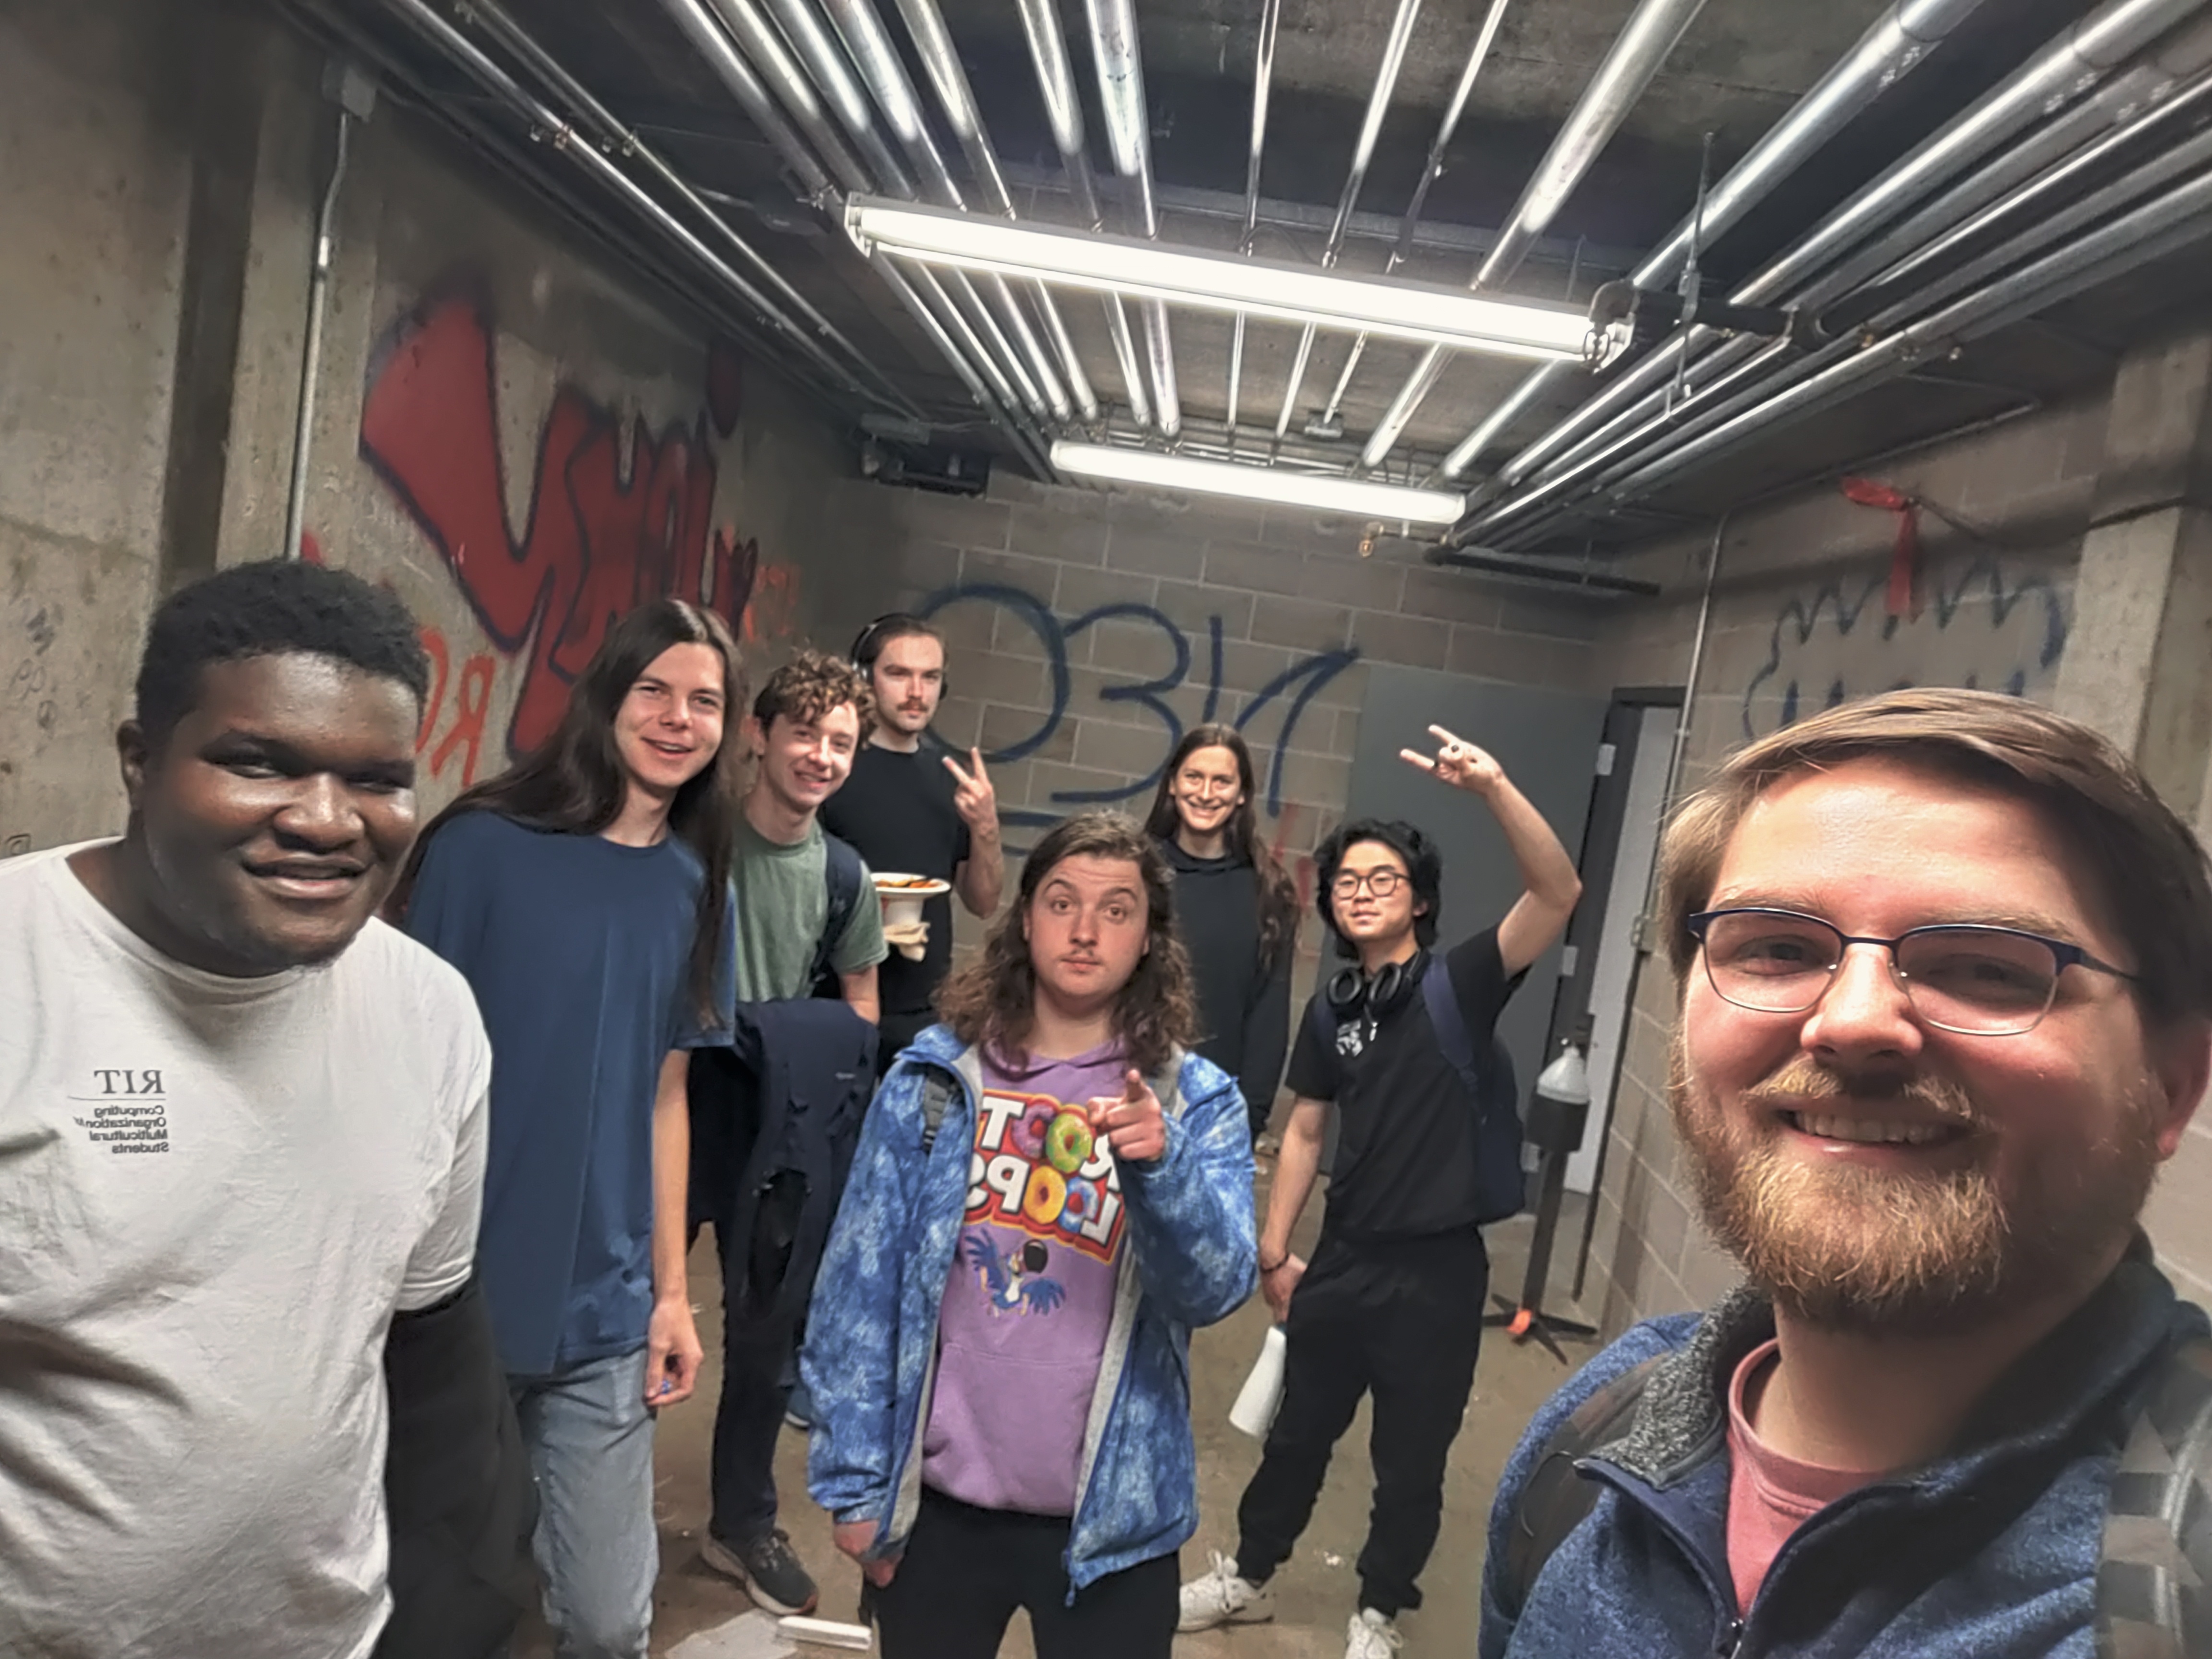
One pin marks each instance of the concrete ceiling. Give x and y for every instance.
(1739, 66)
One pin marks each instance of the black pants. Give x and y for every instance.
(966, 1570)
(756, 1388)
(1403, 1319)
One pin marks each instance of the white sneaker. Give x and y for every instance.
(1220, 1597)
(1371, 1636)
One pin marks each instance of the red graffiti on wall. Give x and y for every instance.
(471, 690)
(600, 538)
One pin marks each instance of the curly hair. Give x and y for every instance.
(810, 685)
(1278, 898)
(273, 607)
(993, 999)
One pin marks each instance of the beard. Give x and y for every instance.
(1843, 1247)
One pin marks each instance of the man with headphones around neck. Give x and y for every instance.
(909, 806)
(1392, 1301)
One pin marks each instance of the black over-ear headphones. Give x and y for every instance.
(1352, 990)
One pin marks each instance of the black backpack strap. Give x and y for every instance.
(844, 874)
(1557, 1497)
(938, 1089)
(1450, 1025)
(2155, 1568)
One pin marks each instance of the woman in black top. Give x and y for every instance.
(1235, 910)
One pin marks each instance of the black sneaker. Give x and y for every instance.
(766, 1568)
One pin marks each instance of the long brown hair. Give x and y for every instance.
(574, 782)
(1279, 898)
(2147, 862)
(993, 999)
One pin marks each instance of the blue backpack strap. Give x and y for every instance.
(844, 873)
(1450, 1027)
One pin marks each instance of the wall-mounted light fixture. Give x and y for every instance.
(1219, 282)
(1324, 492)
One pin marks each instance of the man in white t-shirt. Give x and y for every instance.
(241, 1128)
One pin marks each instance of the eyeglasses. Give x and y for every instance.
(1966, 977)
(1381, 882)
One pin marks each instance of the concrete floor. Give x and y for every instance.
(698, 1614)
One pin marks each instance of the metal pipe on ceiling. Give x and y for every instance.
(1363, 153)
(1431, 170)
(1119, 58)
(1064, 114)
(1906, 318)
(740, 68)
(2124, 25)
(1643, 46)
(940, 60)
(1897, 43)
(459, 49)
(549, 70)
(2174, 220)
(1263, 77)
(2066, 68)
(862, 31)
(833, 79)
(1006, 415)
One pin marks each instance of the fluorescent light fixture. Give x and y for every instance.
(1360, 497)
(1219, 282)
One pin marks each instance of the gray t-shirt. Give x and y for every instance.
(782, 906)
(213, 1194)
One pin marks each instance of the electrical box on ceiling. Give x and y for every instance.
(940, 467)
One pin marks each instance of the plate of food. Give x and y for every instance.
(902, 896)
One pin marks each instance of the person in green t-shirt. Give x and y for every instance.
(803, 730)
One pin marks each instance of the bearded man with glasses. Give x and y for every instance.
(1392, 1303)
(1944, 964)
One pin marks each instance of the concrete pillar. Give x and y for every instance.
(2138, 665)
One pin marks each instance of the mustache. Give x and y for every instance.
(1804, 1079)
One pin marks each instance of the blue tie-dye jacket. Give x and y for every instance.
(1191, 1258)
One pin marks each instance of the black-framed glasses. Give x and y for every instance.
(1381, 882)
(1970, 977)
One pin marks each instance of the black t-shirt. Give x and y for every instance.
(897, 810)
(1406, 1149)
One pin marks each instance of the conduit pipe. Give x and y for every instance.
(2130, 25)
(1263, 77)
(1001, 405)
(1643, 46)
(941, 62)
(465, 52)
(1363, 153)
(2066, 68)
(1119, 61)
(833, 80)
(1064, 114)
(864, 37)
(1431, 170)
(1897, 43)
(310, 350)
(549, 70)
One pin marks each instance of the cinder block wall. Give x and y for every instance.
(1087, 628)
(1798, 621)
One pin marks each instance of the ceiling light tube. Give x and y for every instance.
(1219, 282)
(1361, 497)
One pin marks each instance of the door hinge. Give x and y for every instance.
(1605, 754)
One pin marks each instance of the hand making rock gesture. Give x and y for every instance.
(1458, 762)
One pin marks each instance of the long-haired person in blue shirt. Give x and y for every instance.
(585, 895)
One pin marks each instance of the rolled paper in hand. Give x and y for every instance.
(1254, 1414)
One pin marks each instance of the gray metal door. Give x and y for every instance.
(1547, 743)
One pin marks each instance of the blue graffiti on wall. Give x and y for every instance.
(1293, 689)
(1986, 627)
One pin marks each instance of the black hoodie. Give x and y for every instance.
(1244, 1015)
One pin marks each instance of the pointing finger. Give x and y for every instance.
(1134, 1091)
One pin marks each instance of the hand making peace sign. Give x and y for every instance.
(975, 801)
(1458, 762)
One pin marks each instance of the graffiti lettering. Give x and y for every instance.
(600, 536)
(471, 703)
(1292, 690)
(1989, 627)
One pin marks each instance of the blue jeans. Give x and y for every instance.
(590, 1435)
